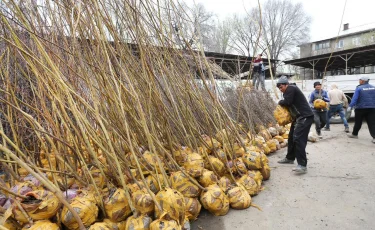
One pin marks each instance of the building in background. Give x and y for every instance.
(352, 52)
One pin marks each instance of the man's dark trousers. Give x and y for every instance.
(297, 139)
(369, 116)
(320, 120)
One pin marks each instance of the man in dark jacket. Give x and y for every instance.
(364, 102)
(320, 115)
(303, 118)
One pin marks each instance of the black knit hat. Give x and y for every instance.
(316, 83)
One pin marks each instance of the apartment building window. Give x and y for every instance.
(321, 45)
(340, 44)
(356, 41)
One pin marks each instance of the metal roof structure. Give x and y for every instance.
(233, 64)
(343, 59)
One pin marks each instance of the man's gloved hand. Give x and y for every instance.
(349, 108)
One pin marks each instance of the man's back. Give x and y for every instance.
(336, 96)
(296, 100)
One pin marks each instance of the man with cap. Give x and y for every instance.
(364, 103)
(303, 118)
(320, 115)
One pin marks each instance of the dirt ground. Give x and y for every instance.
(338, 192)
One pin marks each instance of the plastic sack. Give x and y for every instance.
(181, 155)
(249, 184)
(32, 179)
(100, 226)
(224, 183)
(153, 182)
(221, 155)
(264, 159)
(281, 129)
(161, 224)
(194, 165)
(208, 178)
(256, 175)
(10, 223)
(192, 208)
(217, 165)
(172, 203)
(272, 145)
(320, 104)
(65, 182)
(286, 135)
(115, 225)
(99, 179)
(39, 205)
(136, 187)
(23, 188)
(143, 202)
(212, 143)
(42, 225)
(266, 149)
(116, 205)
(152, 160)
(22, 172)
(239, 166)
(70, 194)
(238, 150)
(266, 171)
(215, 200)
(182, 183)
(280, 139)
(273, 131)
(265, 134)
(239, 198)
(3, 199)
(252, 160)
(141, 222)
(312, 137)
(282, 115)
(186, 225)
(86, 209)
(259, 141)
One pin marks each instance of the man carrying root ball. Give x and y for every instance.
(303, 118)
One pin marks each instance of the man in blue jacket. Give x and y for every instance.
(364, 103)
(320, 115)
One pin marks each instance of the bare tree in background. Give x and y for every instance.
(191, 26)
(221, 38)
(245, 34)
(285, 25)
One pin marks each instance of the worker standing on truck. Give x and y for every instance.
(364, 103)
(320, 115)
(259, 73)
(337, 103)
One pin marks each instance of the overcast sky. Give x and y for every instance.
(325, 14)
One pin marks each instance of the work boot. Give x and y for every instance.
(352, 136)
(319, 134)
(347, 129)
(326, 129)
(285, 161)
(300, 169)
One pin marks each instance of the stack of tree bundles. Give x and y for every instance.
(92, 126)
(157, 195)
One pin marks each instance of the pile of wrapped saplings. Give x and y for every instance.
(163, 191)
